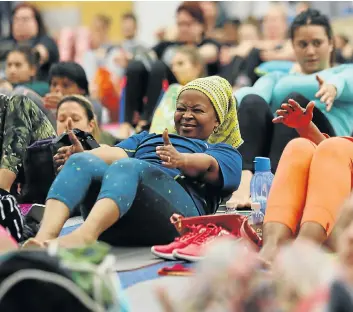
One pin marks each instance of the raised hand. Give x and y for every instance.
(51, 100)
(170, 157)
(65, 152)
(327, 93)
(293, 115)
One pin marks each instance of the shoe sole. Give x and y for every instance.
(162, 255)
(189, 258)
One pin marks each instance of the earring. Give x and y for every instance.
(215, 130)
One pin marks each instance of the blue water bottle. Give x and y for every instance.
(261, 182)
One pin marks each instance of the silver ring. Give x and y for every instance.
(168, 158)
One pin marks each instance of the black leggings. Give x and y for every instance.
(141, 83)
(262, 137)
(253, 60)
(231, 71)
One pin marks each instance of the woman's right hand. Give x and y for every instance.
(294, 116)
(51, 100)
(65, 152)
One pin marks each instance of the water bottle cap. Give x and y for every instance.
(262, 164)
(256, 206)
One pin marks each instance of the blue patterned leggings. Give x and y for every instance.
(146, 197)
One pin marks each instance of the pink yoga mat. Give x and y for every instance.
(25, 208)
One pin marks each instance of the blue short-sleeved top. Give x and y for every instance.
(206, 197)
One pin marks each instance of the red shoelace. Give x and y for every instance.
(193, 232)
(210, 230)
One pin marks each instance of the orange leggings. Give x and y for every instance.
(311, 183)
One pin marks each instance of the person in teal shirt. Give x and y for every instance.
(330, 86)
(21, 69)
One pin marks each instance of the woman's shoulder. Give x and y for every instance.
(222, 148)
(46, 38)
(47, 41)
(339, 68)
(40, 87)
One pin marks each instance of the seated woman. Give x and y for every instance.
(147, 81)
(21, 123)
(313, 179)
(187, 65)
(68, 78)
(331, 87)
(148, 177)
(27, 28)
(21, 70)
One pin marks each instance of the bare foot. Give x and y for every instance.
(33, 243)
(268, 253)
(238, 200)
(74, 239)
(38, 240)
(241, 197)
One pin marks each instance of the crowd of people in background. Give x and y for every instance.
(212, 85)
(231, 48)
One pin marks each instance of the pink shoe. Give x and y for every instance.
(193, 252)
(166, 251)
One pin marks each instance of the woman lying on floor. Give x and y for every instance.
(148, 177)
(331, 86)
(313, 179)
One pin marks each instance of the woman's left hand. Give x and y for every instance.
(170, 157)
(327, 93)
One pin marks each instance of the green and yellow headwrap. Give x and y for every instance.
(220, 93)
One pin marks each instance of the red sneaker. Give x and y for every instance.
(166, 251)
(193, 252)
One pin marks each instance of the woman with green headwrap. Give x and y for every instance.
(148, 177)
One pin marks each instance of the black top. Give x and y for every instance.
(165, 51)
(9, 43)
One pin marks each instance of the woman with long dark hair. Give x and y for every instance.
(21, 70)
(27, 28)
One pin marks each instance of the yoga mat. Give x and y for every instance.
(73, 221)
(68, 229)
(130, 278)
(128, 258)
(133, 258)
(142, 296)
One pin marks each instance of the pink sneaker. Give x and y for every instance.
(166, 251)
(193, 252)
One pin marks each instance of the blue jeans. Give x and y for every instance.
(145, 195)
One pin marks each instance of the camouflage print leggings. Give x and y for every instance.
(21, 124)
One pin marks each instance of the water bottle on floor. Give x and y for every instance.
(261, 182)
